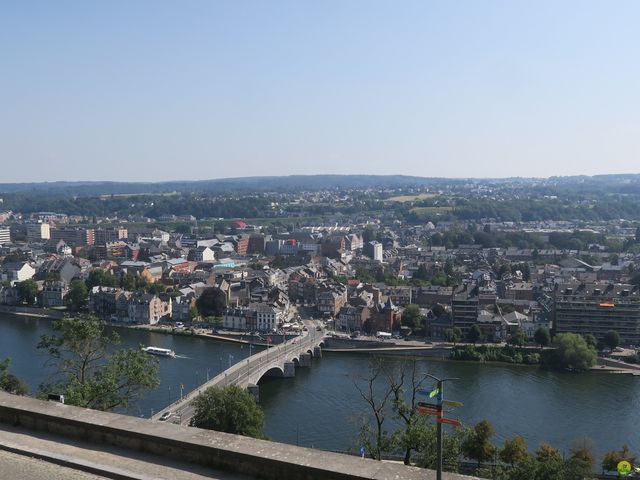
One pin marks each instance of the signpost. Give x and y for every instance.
(435, 409)
(449, 421)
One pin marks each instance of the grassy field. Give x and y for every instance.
(411, 198)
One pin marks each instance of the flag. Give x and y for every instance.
(434, 392)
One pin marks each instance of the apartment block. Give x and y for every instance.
(597, 308)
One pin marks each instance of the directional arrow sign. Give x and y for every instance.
(429, 411)
(449, 421)
(429, 405)
(452, 403)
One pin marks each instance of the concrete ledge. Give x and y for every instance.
(233, 453)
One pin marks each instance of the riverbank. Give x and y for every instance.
(31, 312)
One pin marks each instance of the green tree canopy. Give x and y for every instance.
(591, 340)
(474, 334)
(9, 382)
(88, 371)
(212, 302)
(550, 463)
(518, 338)
(78, 296)
(613, 457)
(27, 291)
(542, 337)
(581, 462)
(611, 339)
(571, 352)
(230, 409)
(514, 450)
(452, 335)
(412, 318)
(477, 445)
(100, 278)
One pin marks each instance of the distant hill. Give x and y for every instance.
(617, 182)
(293, 182)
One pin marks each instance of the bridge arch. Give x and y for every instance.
(275, 371)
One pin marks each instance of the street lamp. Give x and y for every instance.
(440, 390)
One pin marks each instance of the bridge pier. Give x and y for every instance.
(317, 352)
(289, 369)
(305, 360)
(254, 390)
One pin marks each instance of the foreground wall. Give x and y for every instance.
(258, 458)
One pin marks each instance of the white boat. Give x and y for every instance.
(163, 352)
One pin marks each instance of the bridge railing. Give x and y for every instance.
(242, 370)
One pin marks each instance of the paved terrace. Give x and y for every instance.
(280, 360)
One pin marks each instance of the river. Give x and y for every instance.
(321, 407)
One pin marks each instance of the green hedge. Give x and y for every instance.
(489, 353)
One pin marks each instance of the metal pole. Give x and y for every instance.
(438, 424)
(439, 435)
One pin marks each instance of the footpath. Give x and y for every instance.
(99, 459)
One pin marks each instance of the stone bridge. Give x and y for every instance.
(277, 361)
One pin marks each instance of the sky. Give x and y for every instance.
(189, 90)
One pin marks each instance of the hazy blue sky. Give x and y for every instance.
(155, 90)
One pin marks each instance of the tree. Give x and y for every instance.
(613, 457)
(518, 338)
(9, 382)
(129, 282)
(524, 469)
(405, 384)
(229, 409)
(477, 445)
(212, 302)
(591, 340)
(452, 335)
(77, 297)
(100, 278)
(571, 352)
(474, 334)
(412, 318)
(193, 313)
(438, 310)
(451, 448)
(27, 291)
(88, 371)
(581, 462)
(514, 450)
(611, 339)
(542, 337)
(377, 394)
(368, 234)
(421, 273)
(550, 463)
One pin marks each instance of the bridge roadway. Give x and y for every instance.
(280, 360)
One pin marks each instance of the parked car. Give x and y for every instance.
(165, 416)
